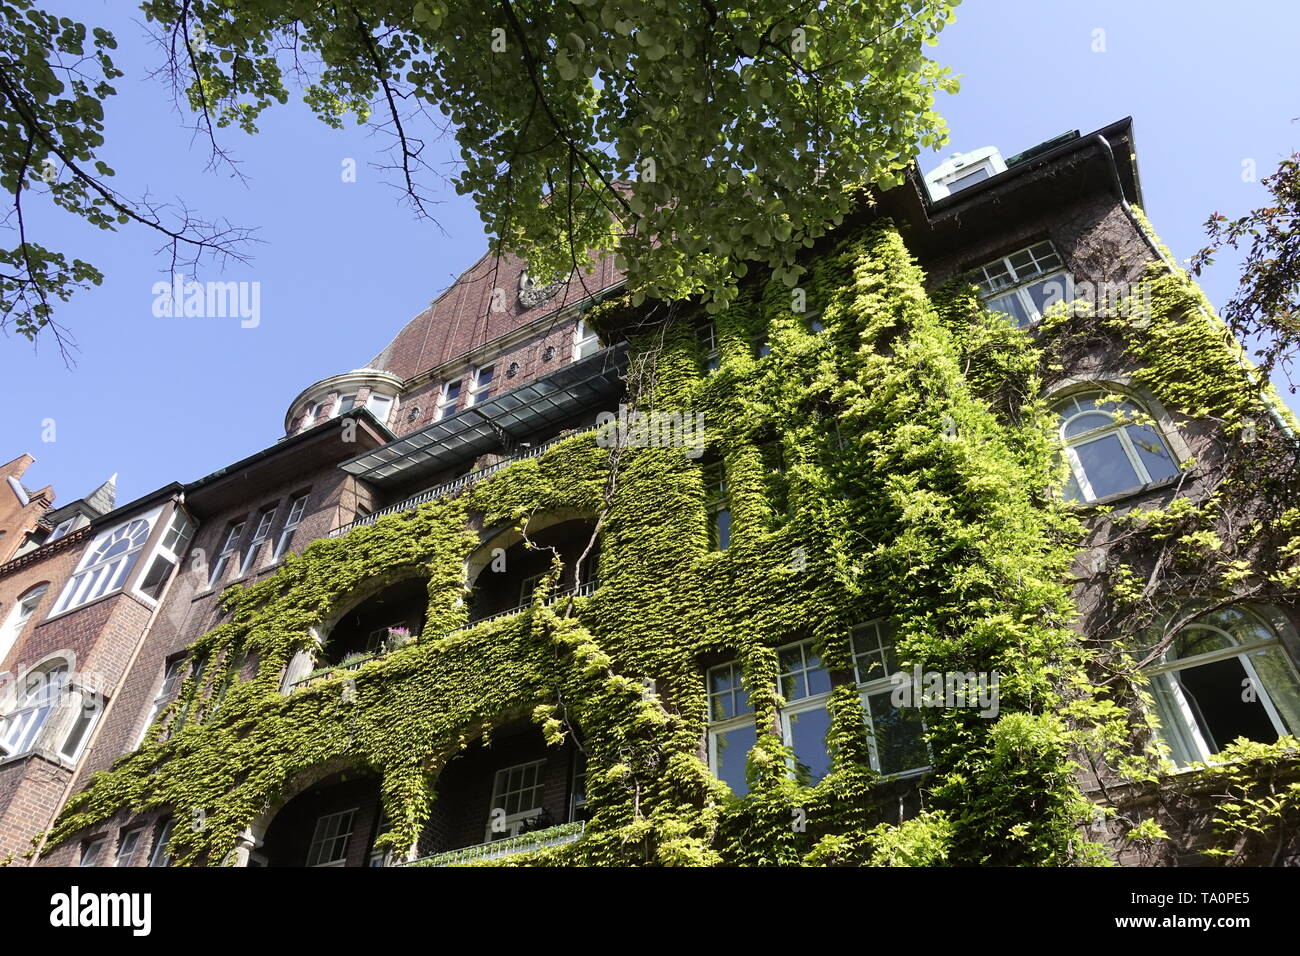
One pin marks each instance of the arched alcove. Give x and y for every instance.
(502, 573)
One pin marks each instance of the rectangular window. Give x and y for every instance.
(379, 406)
(1024, 284)
(346, 404)
(296, 508)
(447, 401)
(518, 791)
(706, 336)
(329, 844)
(62, 528)
(160, 856)
(229, 546)
(166, 556)
(732, 733)
(897, 733)
(128, 846)
(717, 503)
(89, 707)
(806, 685)
(173, 674)
(481, 385)
(261, 531)
(814, 321)
(18, 618)
(315, 412)
(91, 851)
(527, 587)
(585, 341)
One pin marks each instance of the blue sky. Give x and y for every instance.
(343, 265)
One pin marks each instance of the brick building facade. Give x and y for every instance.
(498, 367)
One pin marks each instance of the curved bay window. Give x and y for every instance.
(1109, 446)
(1225, 676)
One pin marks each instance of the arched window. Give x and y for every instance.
(1225, 676)
(1108, 447)
(107, 564)
(18, 617)
(39, 693)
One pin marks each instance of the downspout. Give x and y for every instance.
(108, 710)
(1269, 403)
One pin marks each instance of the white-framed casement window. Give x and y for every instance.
(480, 385)
(168, 554)
(717, 503)
(345, 404)
(585, 340)
(1225, 676)
(38, 696)
(380, 405)
(316, 412)
(897, 734)
(18, 617)
(1111, 446)
(229, 547)
(329, 843)
(732, 732)
(84, 706)
(261, 531)
(447, 400)
(527, 587)
(296, 508)
(706, 337)
(1024, 284)
(173, 674)
(107, 562)
(92, 852)
(160, 856)
(518, 791)
(806, 686)
(128, 846)
(62, 528)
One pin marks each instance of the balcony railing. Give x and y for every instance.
(581, 590)
(352, 665)
(454, 487)
(498, 849)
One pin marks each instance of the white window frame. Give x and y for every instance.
(585, 340)
(884, 644)
(173, 676)
(62, 528)
(741, 720)
(1187, 735)
(129, 844)
(1119, 428)
(158, 856)
(234, 531)
(313, 413)
(993, 286)
(478, 390)
(448, 403)
(265, 519)
(97, 577)
(24, 610)
(344, 404)
(91, 851)
(706, 338)
(170, 549)
(321, 837)
(297, 507)
(515, 821)
(380, 405)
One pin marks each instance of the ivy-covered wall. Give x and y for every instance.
(916, 466)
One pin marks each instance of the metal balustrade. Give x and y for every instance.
(496, 850)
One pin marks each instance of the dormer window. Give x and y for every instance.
(585, 341)
(62, 528)
(448, 400)
(480, 385)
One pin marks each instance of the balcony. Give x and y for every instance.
(449, 489)
(513, 846)
(582, 590)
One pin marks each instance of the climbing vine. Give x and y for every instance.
(893, 461)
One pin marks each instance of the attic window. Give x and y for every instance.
(1024, 284)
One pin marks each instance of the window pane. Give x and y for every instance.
(721, 529)
(731, 747)
(898, 733)
(808, 729)
(1011, 305)
(1048, 292)
(1107, 466)
(1159, 463)
(1082, 424)
(1215, 694)
(1280, 682)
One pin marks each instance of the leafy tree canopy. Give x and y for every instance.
(690, 138)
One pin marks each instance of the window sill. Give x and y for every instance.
(1121, 496)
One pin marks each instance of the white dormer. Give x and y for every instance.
(964, 169)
